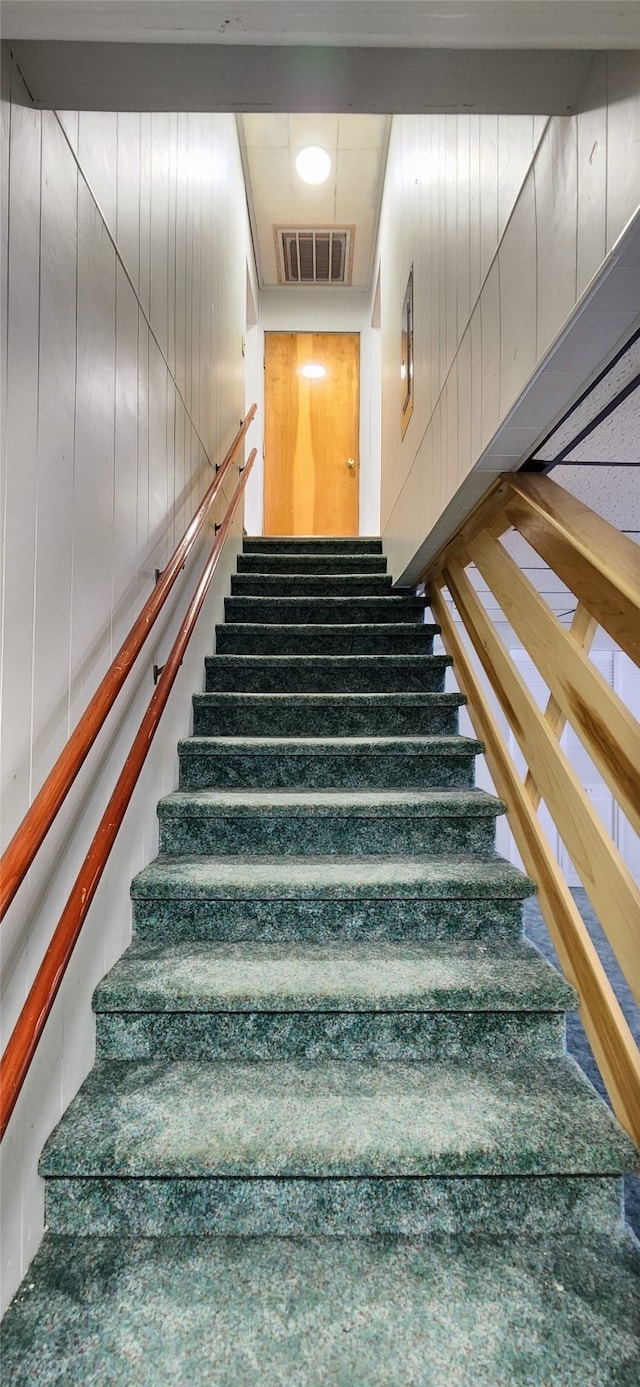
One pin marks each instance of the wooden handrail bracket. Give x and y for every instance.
(31, 1022)
(31, 833)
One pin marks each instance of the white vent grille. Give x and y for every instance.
(314, 255)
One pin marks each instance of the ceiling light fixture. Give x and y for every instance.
(313, 371)
(313, 164)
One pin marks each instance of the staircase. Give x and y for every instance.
(331, 1136)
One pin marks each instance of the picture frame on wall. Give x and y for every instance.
(406, 357)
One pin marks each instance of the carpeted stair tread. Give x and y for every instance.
(240, 821)
(369, 638)
(206, 877)
(310, 544)
(326, 762)
(285, 1119)
(385, 1312)
(329, 1023)
(312, 702)
(318, 673)
(296, 585)
(323, 610)
(325, 714)
(454, 745)
(298, 562)
(433, 803)
(337, 977)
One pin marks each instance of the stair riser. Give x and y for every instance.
(410, 639)
(311, 545)
(254, 1037)
(261, 835)
(353, 611)
(289, 920)
(334, 564)
(310, 585)
(202, 772)
(326, 674)
(359, 1207)
(246, 720)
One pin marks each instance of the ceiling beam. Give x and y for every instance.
(214, 77)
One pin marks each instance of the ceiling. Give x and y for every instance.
(603, 427)
(351, 195)
(479, 24)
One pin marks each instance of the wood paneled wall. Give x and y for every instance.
(506, 219)
(123, 298)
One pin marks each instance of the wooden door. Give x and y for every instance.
(312, 411)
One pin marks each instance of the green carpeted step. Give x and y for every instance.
(298, 610)
(325, 715)
(329, 1040)
(324, 762)
(258, 1001)
(326, 673)
(296, 822)
(428, 898)
(310, 544)
(252, 638)
(312, 563)
(462, 1311)
(312, 585)
(343, 1123)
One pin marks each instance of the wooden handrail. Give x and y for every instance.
(29, 836)
(606, 728)
(606, 879)
(582, 630)
(611, 1040)
(598, 563)
(602, 568)
(31, 1022)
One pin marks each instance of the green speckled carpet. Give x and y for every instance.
(332, 1135)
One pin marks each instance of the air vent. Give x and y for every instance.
(310, 255)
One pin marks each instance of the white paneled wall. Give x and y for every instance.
(124, 250)
(506, 220)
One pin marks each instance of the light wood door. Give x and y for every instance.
(312, 463)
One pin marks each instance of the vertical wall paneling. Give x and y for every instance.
(490, 315)
(124, 251)
(556, 187)
(55, 454)
(463, 272)
(592, 175)
(518, 299)
(514, 217)
(90, 616)
(22, 307)
(623, 142)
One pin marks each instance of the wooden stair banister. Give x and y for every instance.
(29, 836)
(602, 569)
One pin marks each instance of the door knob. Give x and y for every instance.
(351, 462)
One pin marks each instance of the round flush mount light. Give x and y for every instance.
(313, 164)
(313, 371)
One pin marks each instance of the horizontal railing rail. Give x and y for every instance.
(601, 567)
(33, 1017)
(30, 835)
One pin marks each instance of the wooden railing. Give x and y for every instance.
(30, 835)
(602, 569)
(31, 1022)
